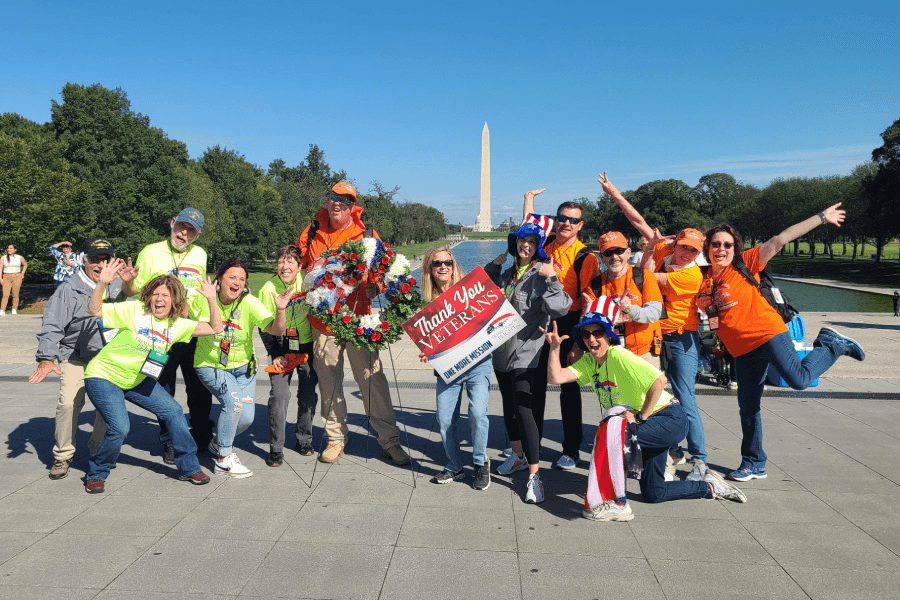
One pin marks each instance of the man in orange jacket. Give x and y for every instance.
(336, 224)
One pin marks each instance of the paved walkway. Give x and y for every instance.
(824, 524)
(887, 290)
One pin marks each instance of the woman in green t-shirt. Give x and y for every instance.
(226, 364)
(127, 367)
(623, 380)
(286, 353)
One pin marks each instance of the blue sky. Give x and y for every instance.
(399, 91)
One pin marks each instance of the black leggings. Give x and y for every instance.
(519, 412)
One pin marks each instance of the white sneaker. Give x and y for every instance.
(14, 312)
(512, 464)
(2, 313)
(609, 511)
(534, 493)
(698, 471)
(723, 489)
(231, 467)
(565, 462)
(668, 476)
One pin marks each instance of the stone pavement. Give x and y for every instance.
(824, 524)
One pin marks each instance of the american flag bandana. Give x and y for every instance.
(543, 221)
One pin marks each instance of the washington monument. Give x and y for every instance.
(483, 221)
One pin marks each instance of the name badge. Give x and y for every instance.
(712, 312)
(293, 338)
(106, 335)
(153, 364)
(224, 349)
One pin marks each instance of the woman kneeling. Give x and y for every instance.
(624, 380)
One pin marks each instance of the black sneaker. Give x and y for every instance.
(275, 459)
(304, 449)
(168, 454)
(482, 476)
(446, 476)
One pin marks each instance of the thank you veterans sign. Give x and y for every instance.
(463, 325)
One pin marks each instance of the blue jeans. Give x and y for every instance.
(235, 389)
(681, 371)
(659, 433)
(751, 375)
(109, 400)
(449, 398)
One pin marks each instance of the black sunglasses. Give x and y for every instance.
(437, 263)
(340, 199)
(564, 219)
(614, 252)
(96, 260)
(597, 333)
(728, 245)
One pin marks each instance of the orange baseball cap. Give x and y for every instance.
(345, 189)
(691, 238)
(612, 239)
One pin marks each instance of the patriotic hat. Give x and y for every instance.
(605, 311)
(539, 225)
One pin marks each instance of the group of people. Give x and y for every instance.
(626, 330)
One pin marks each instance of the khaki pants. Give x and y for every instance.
(367, 371)
(12, 282)
(71, 401)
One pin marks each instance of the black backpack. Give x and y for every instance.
(767, 289)
(580, 257)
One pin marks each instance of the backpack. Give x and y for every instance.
(766, 287)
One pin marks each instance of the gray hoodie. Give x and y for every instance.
(67, 331)
(537, 300)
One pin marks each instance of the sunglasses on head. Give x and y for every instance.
(565, 219)
(727, 245)
(340, 200)
(438, 263)
(614, 252)
(597, 333)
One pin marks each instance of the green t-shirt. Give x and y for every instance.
(297, 308)
(239, 319)
(159, 259)
(623, 379)
(120, 361)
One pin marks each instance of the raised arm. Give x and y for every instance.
(631, 213)
(276, 326)
(528, 207)
(555, 372)
(832, 214)
(208, 291)
(108, 272)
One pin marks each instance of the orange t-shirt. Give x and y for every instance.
(638, 336)
(746, 320)
(680, 297)
(563, 260)
(327, 238)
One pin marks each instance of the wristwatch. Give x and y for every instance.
(638, 417)
(822, 216)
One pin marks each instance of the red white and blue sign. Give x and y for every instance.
(463, 325)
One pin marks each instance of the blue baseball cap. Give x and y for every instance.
(192, 217)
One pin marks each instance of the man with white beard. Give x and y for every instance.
(180, 257)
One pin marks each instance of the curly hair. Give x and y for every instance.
(723, 228)
(176, 290)
(429, 289)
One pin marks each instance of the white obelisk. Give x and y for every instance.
(483, 221)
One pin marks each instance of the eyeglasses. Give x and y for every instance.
(96, 260)
(438, 263)
(614, 251)
(565, 219)
(727, 245)
(597, 333)
(340, 200)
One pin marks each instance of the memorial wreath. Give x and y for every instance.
(338, 272)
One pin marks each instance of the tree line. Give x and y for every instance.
(98, 168)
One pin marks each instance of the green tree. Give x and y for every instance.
(668, 205)
(883, 190)
(138, 174)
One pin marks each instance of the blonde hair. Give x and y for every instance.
(429, 290)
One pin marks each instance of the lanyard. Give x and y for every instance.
(178, 264)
